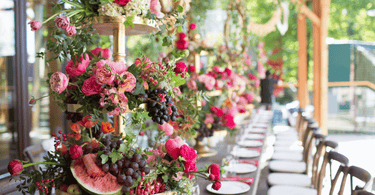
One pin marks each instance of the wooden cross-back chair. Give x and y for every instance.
(360, 174)
(34, 153)
(362, 192)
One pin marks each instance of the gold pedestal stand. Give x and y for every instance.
(107, 25)
(203, 150)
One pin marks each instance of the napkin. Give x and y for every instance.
(246, 180)
(261, 140)
(257, 149)
(253, 162)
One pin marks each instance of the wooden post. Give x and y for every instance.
(317, 64)
(324, 4)
(302, 60)
(119, 55)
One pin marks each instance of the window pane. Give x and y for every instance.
(8, 133)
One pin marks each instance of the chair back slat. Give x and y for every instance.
(360, 174)
(33, 153)
(330, 157)
(362, 192)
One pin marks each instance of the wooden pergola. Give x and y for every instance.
(319, 17)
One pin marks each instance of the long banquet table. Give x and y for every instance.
(221, 148)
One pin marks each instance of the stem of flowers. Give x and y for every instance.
(54, 15)
(41, 163)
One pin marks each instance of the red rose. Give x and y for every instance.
(180, 67)
(91, 87)
(192, 26)
(214, 169)
(75, 151)
(182, 44)
(219, 112)
(78, 68)
(188, 153)
(191, 68)
(32, 102)
(122, 2)
(15, 167)
(229, 121)
(228, 71)
(190, 169)
(181, 35)
(216, 185)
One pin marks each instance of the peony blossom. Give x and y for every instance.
(192, 84)
(173, 148)
(214, 169)
(75, 151)
(188, 153)
(79, 67)
(229, 121)
(62, 22)
(228, 71)
(180, 67)
(104, 53)
(182, 44)
(15, 167)
(58, 82)
(91, 87)
(190, 168)
(104, 75)
(192, 26)
(209, 81)
(155, 8)
(71, 30)
(35, 25)
(129, 83)
(167, 128)
(219, 112)
(191, 68)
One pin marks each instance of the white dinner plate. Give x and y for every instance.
(229, 187)
(254, 136)
(245, 153)
(240, 168)
(250, 143)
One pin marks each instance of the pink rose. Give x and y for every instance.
(128, 83)
(214, 169)
(75, 151)
(192, 26)
(173, 149)
(78, 68)
(91, 87)
(58, 82)
(179, 141)
(155, 8)
(209, 81)
(180, 67)
(250, 97)
(177, 90)
(35, 25)
(62, 22)
(192, 84)
(167, 128)
(104, 75)
(104, 53)
(71, 30)
(15, 167)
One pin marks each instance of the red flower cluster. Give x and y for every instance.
(219, 112)
(75, 151)
(191, 68)
(192, 26)
(180, 68)
(122, 2)
(175, 149)
(229, 121)
(182, 43)
(214, 171)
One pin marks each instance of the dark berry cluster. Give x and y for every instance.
(74, 117)
(205, 131)
(160, 106)
(126, 169)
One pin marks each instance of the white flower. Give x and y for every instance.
(110, 9)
